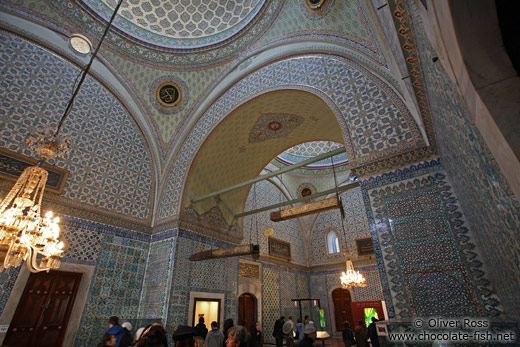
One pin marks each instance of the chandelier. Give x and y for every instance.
(352, 278)
(24, 234)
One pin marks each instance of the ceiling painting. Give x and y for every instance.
(274, 125)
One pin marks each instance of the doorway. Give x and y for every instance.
(43, 311)
(342, 311)
(246, 310)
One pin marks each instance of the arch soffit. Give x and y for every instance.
(274, 52)
(221, 161)
(245, 90)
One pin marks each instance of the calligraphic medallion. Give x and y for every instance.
(315, 4)
(169, 94)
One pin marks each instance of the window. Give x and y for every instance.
(333, 242)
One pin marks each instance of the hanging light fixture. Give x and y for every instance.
(24, 233)
(349, 278)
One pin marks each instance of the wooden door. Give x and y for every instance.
(246, 310)
(342, 311)
(43, 312)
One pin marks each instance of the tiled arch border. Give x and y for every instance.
(243, 91)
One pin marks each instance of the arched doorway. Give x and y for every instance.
(342, 311)
(246, 310)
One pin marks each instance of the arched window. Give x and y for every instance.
(333, 242)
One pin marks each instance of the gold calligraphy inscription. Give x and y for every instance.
(12, 165)
(365, 246)
(248, 270)
(279, 248)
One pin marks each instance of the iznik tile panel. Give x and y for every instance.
(488, 202)
(426, 272)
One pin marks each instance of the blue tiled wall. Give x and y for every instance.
(428, 262)
(491, 210)
(215, 276)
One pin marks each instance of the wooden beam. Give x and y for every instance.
(250, 249)
(271, 174)
(303, 210)
(305, 198)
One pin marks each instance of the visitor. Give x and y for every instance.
(154, 335)
(199, 341)
(287, 329)
(228, 323)
(215, 337)
(138, 333)
(237, 336)
(201, 329)
(259, 341)
(309, 335)
(360, 334)
(108, 340)
(372, 333)
(347, 334)
(305, 320)
(298, 329)
(252, 336)
(183, 336)
(115, 329)
(278, 331)
(127, 339)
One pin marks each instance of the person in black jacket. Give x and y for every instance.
(202, 331)
(278, 331)
(348, 335)
(228, 324)
(372, 333)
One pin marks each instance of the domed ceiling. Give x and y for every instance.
(180, 24)
(312, 149)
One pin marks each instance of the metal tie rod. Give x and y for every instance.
(271, 174)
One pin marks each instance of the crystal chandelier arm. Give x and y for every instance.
(41, 185)
(32, 266)
(14, 191)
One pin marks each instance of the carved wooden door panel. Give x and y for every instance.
(342, 311)
(246, 310)
(43, 312)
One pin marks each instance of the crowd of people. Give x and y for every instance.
(302, 334)
(154, 335)
(361, 334)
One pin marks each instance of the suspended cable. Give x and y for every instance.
(85, 71)
(256, 220)
(341, 211)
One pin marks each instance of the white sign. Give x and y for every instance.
(3, 328)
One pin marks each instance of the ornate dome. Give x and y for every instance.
(311, 149)
(180, 24)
